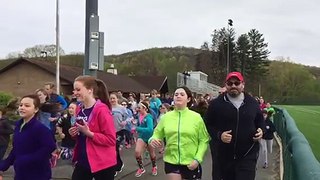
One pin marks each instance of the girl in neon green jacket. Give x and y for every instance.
(186, 137)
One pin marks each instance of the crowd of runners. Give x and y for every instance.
(93, 126)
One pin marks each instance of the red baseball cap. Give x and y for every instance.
(235, 74)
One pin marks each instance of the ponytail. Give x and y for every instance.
(102, 93)
(100, 90)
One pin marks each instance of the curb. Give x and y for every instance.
(278, 140)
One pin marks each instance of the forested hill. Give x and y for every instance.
(180, 54)
(168, 51)
(186, 56)
(284, 81)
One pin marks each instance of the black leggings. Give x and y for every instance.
(81, 173)
(120, 138)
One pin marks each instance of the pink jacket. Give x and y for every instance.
(101, 149)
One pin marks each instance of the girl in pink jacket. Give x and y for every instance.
(95, 150)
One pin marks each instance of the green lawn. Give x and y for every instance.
(307, 119)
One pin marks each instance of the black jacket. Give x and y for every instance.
(223, 116)
(65, 123)
(269, 130)
(5, 130)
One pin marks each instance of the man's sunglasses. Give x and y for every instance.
(229, 83)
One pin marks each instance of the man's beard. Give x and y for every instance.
(234, 93)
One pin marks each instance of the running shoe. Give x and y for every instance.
(140, 171)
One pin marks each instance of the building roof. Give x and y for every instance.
(153, 82)
(69, 73)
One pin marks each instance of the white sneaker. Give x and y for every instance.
(121, 167)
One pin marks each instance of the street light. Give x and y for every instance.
(230, 23)
(185, 75)
(44, 54)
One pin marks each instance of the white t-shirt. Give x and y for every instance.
(236, 101)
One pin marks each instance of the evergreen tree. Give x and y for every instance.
(242, 53)
(220, 41)
(258, 54)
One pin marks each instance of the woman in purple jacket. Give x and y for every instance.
(32, 144)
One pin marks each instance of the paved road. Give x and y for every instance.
(64, 169)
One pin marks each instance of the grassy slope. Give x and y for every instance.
(307, 119)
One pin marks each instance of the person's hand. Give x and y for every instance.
(0, 177)
(123, 123)
(133, 130)
(52, 119)
(226, 136)
(134, 121)
(84, 129)
(62, 135)
(258, 135)
(155, 143)
(193, 165)
(73, 131)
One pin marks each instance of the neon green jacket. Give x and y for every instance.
(186, 136)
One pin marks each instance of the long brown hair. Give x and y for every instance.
(47, 106)
(100, 90)
(44, 92)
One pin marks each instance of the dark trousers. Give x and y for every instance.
(239, 169)
(81, 173)
(3, 149)
(120, 137)
(128, 136)
(216, 174)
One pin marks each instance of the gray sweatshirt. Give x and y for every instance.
(119, 114)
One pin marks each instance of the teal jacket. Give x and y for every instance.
(186, 136)
(145, 128)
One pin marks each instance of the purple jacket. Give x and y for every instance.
(32, 148)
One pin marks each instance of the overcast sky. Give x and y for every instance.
(291, 28)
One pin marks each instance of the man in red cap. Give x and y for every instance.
(234, 122)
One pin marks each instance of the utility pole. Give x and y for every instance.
(57, 48)
(230, 23)
(94, 41)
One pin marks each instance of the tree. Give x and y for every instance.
(205, 46)
(258, 54)
(204, 62)
(4, 98)
(14, 55)
(242, 53)
(256, 66)
(220, 41)
(38, 50)
(290, 83)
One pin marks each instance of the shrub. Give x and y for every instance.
(5, 98)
